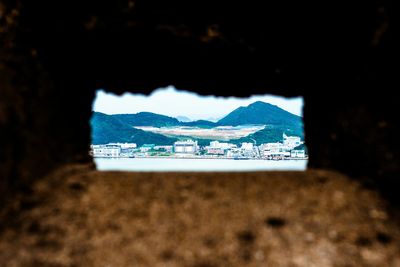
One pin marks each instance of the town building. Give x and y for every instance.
(146, 147)
(298, 153)
(124, 145)
(234, 152)
(222, 145)
(106, 151)
(273, 150)
(272, 146)
(186, 147)
(247, 146)
(215, 150)
(219, 148)
(276, 154)
(291, 141)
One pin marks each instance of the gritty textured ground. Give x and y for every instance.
(81, 217)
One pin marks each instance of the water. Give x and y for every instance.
(171, 164)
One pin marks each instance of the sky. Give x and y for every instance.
(172, 102)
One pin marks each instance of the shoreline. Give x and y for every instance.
(193, 157)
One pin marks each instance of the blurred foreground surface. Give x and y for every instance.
(80, 217)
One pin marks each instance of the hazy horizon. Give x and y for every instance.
(172, 102)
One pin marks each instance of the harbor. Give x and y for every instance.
(291, 148)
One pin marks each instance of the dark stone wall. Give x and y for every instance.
(54, 55)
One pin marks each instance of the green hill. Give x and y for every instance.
(277, 121)
(147, 119)
(109, 129)
(259, 113)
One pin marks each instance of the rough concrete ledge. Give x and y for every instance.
(80, 217)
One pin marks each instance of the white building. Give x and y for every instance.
(219, 148)
(215, 150)
(234, 152)
(291, 141)
(247, 146)
(127, 145)
(271, 150)
(186, 147)
(124, 145)
(214, 144)
(106, 151)
(298, 153)
(272, 146)
(217, 144)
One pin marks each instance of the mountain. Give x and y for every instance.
(259, 113)
(110, 129)
(147, 119)
(277, 121)
(183, 119)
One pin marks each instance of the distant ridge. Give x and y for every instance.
(183, 119)
(158, 120)
(147, 119)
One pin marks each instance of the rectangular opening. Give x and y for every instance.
(174, 130)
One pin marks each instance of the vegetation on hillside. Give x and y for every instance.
(119, 128)
(260, 113)
(108, 129)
